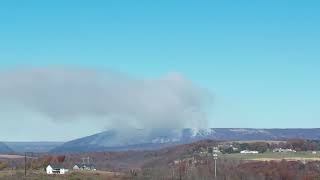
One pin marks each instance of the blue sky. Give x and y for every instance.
(259, 58)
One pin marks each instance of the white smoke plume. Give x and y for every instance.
(114, 99)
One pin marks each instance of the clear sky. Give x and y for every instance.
(261, 59)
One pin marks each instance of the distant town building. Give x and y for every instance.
(283, 150)
(56, 169)
(216, 150)
(314, 152)
(189, 162)
(249, 152)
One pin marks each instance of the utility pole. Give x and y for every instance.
(25, 164)
(85, 160)
(180, 169)
(215, 157)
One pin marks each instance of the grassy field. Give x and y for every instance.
(268, 156)
(79, 175)
(9, 156)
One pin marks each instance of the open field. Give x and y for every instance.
(9, 156)
(36, 174)
(271, 156)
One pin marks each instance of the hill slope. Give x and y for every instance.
(37, 147)
(144, 139)
(4, 149)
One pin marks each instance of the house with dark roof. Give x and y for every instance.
(56, 169)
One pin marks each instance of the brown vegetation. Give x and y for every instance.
(86, 175)
(179, 162)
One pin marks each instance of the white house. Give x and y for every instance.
(56, 169)
(249, 152)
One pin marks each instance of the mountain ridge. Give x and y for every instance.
(36, 146)
(148, 139)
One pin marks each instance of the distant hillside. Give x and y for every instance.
(37, 147)
(4, 149)
(148, 139)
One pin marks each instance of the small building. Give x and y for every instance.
(76, 167)
(88, 167)
(216, 150)
(314, 152)
(283, 150)
(249, 152)
(235, 149)
(56, 169)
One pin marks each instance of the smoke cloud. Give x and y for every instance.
(113, 99)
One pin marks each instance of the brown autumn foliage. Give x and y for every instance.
(61, 158)
(158, 164)
(3, 165)
(284, 170)
(303, 145)
(236, 170)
